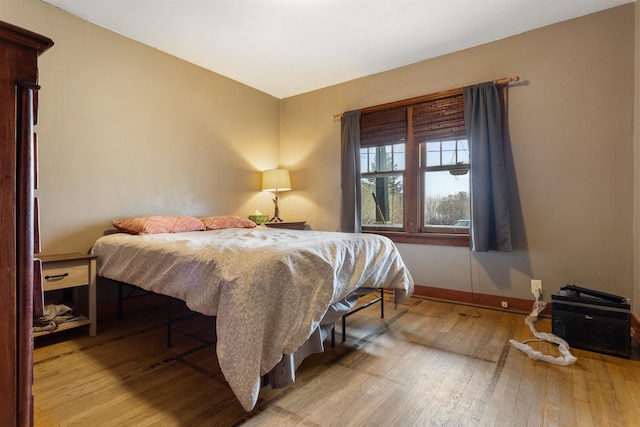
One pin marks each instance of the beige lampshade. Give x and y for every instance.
(276, 180)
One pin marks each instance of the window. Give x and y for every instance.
(445, 174)
(382, 174)
(414, 171)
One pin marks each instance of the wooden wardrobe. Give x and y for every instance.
(19, 236)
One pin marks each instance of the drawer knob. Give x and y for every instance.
(56, 277)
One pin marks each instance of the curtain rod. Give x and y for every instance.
(504, 81)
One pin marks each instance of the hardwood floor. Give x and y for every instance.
(427, 363)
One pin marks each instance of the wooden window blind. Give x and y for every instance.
(384, 127)
(439, 119)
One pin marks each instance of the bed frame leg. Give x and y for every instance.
(169, 322)
(120, 300)
(379, 299)
(333, 336)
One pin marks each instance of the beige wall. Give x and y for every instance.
(126, 130)
(570, 157)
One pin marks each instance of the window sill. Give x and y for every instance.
(443, 239)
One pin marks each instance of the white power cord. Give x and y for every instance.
(536, 293)
(566, 359)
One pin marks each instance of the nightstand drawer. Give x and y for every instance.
(66, 274)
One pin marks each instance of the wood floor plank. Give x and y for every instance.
(427, 363)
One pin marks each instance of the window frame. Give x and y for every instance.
(413, 231)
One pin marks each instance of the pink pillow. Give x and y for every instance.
(226, 221)
(158, 224)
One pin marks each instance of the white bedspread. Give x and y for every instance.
(269, 288)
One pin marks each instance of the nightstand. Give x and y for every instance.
(288, 225)
(71, 271)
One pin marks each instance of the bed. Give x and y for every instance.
(275, 293)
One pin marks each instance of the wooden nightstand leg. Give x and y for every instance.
(93, 326)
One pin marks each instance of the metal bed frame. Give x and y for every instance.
(379, 299)
(170, 301)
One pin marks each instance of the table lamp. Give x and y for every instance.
(276, 180)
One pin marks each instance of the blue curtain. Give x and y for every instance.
(351, 206)
(490, 222)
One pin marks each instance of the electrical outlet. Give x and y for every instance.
(504, 304)
(536, 286)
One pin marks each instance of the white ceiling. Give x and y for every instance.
(288, 47)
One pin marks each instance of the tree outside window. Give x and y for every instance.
(382, 189)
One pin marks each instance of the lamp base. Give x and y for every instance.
(276, 213)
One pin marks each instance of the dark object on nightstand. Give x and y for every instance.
(289, 225)
(592, 320)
